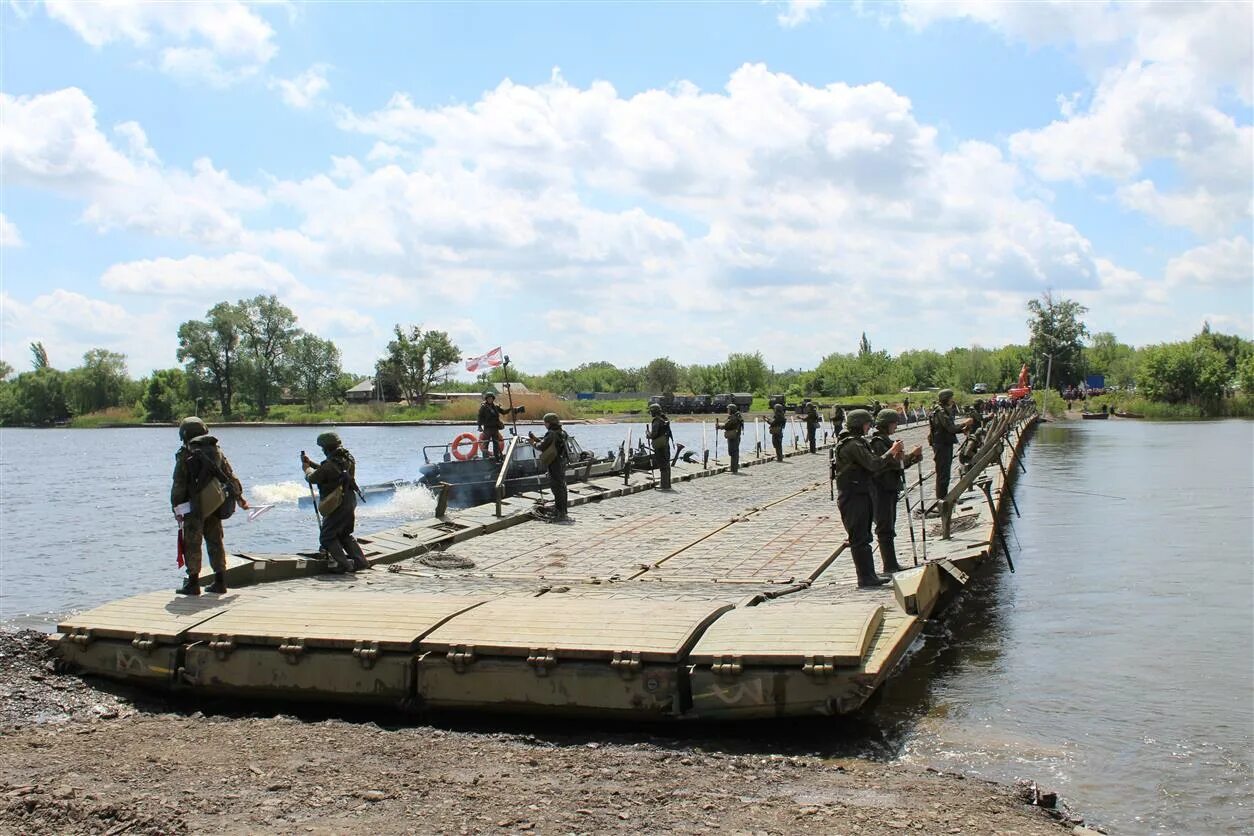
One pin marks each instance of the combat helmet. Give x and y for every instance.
(551, 420)
(886, 417)
(731, 407)
(858, 419)
(192, 427)
(655, 407)
(945, 395)
(489, 394)
(329, 441)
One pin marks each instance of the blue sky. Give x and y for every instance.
(623, 181)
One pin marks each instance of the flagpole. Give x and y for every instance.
(513, 416)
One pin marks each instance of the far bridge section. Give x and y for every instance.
(732, 596)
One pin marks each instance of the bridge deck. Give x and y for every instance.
(731, 596)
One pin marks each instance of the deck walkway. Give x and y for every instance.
(730, 596)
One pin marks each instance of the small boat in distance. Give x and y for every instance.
(1095, 416)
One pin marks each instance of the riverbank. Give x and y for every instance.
(82, 758)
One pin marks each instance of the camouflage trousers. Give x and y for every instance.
(196, 531)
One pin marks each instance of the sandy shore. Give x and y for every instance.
(90, 757)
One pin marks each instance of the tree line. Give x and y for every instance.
(243, 357)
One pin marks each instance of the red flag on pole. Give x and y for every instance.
(486, 361)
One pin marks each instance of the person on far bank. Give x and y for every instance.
(553, 458)
(887, 487)
(205, 492)
(777, 423)
(490, 424)
(659, 435)
(813, 419)
(732, 428)
(336, 480)
(856, 466)
(943, 435)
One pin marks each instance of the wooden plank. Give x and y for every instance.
(164, 616)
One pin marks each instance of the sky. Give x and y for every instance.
(581, 182)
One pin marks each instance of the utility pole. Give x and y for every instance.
(1049, 370)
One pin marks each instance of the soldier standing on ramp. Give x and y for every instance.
(943, 435)
(553, 458)
(207, 488)
(659, 434)
(777, 424)
(732, 428)
(888, 485)
(813, 419)
(490, 424)
(855, 467)
(336, 479)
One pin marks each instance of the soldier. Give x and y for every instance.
(202, 475)
(838, 418)
(659, 433)
(855, 467)
(732, 429)
(777, 423)
(943, 435)
(813, 419)
(336, 478)
(490, 424)
(905, 408)
(888, 485)
(553, 457)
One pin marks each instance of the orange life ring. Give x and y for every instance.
(456, 447)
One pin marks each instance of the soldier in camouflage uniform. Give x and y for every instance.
(490, 424)
(813, 419)
(659, 434)
(838, 418)
(732, 428)
(887, 487)
(856, 467)
(777, 423)
(336, 477)
(196, 464)
(943, 435)
(554, 456)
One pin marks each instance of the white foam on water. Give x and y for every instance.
(278, 493)
(411, 502)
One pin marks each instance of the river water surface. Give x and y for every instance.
(1116, 666)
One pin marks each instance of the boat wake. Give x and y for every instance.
(408, 501)
(278, 493)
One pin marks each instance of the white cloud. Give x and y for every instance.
(9, 235)
(1161, 73)
(1224, 262)
(199, 277)
(797, 12)
(69, 324)
(302, 91)
(52, 140)
(220, 42)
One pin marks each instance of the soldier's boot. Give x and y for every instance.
(354, 551)
(864, 564)
(191, 586)
(888, 556)
(219, 584)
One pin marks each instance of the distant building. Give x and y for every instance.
(519, 388)
(363, 392)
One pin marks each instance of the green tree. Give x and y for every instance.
(661, 375)
(101, 382)
(210, 348)
(415, 360)
(1194, 372)
(38, 397)
(39, 357)
(6, 371)
(165, 396)
(315, 367)
(1057, 330)
(1245, 374)
(268, 329)
(745, 372)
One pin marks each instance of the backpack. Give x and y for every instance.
(203, 470)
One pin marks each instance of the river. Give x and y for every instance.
(1116, 666)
